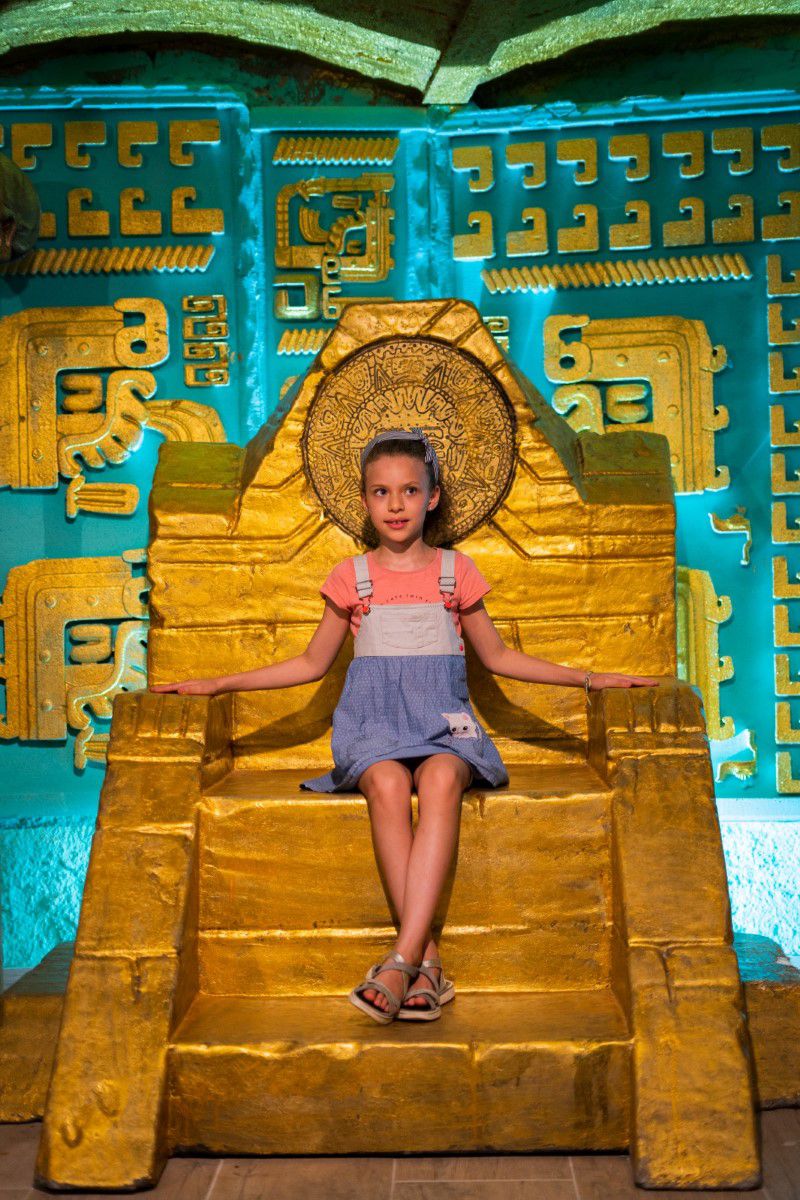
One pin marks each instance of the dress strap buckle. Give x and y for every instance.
(363, 580)
(447, 579)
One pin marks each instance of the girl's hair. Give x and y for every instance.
(414, 448)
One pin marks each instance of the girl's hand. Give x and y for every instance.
(599, 681)
(189, 687)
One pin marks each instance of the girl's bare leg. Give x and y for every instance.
(387, 787)
(440, 782)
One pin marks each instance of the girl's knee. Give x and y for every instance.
(444, 775)
(387, 783)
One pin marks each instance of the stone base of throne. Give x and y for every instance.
(34, 1004)
(225, 1027)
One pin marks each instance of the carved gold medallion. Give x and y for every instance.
(400, 383)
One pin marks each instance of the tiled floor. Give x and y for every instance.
(510, 1177)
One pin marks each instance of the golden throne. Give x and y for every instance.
(586, 920)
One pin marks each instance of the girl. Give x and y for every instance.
(404, 718)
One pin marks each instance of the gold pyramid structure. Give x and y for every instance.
(586, 921)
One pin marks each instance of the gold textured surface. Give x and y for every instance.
(598, 1000)
(692, 268)
(396, 1088)
(339, 150)
(110, 260)
(30, 1016)
(33, 1006)
(772, 996)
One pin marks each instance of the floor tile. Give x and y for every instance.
(780, 1139)
(423, 1169)
(606, 1177)
(414, 1177)
(351, 1178)
(477, 1189)
(18, 1147)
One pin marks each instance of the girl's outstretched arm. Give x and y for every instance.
(307, 667)
(501, 659)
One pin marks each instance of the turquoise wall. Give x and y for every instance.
(423, 197)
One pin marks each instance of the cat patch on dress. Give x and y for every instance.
(461, 725)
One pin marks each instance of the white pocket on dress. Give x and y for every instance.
(461, 725)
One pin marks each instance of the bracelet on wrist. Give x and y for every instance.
(586, 682)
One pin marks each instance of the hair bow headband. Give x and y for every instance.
(415, 433)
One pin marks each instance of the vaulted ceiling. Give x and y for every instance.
(443, 49)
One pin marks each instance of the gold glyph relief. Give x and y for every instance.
(776, 284)
(352, 247)
(670, 357)
(781, 533)
(110, 260)
(338, 151)
(302, 341)
(696, 268)
(737, 142)
(479, 161)
(687, 144)
(785, 684)
(471, 247)
(583, 153)
(785, 782)
(737, 523)
(782, 589)
(700, 612)
(64, 413)
(74, 632)
(499, 327)
(635, 148)
(634, 234)
(740, 768)
(205, 337)
(778, 433)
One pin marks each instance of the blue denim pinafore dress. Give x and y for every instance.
(405, 693)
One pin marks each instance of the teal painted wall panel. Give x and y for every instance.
(419, 201)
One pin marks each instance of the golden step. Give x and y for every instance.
(291, 900)
(306, 1075)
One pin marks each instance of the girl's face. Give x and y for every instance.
(396, 497)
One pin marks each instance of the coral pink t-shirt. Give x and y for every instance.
(405, 587)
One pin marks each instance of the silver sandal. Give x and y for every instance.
(384, 1015)
(436, 995)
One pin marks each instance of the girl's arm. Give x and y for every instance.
(501, 659)
(312, 664)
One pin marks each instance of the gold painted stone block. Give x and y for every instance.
(502, 1073)
(692, 1075)
(669, 850)
(772, 995)
(102, 1123)
(136, 883)
(28, 1035)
